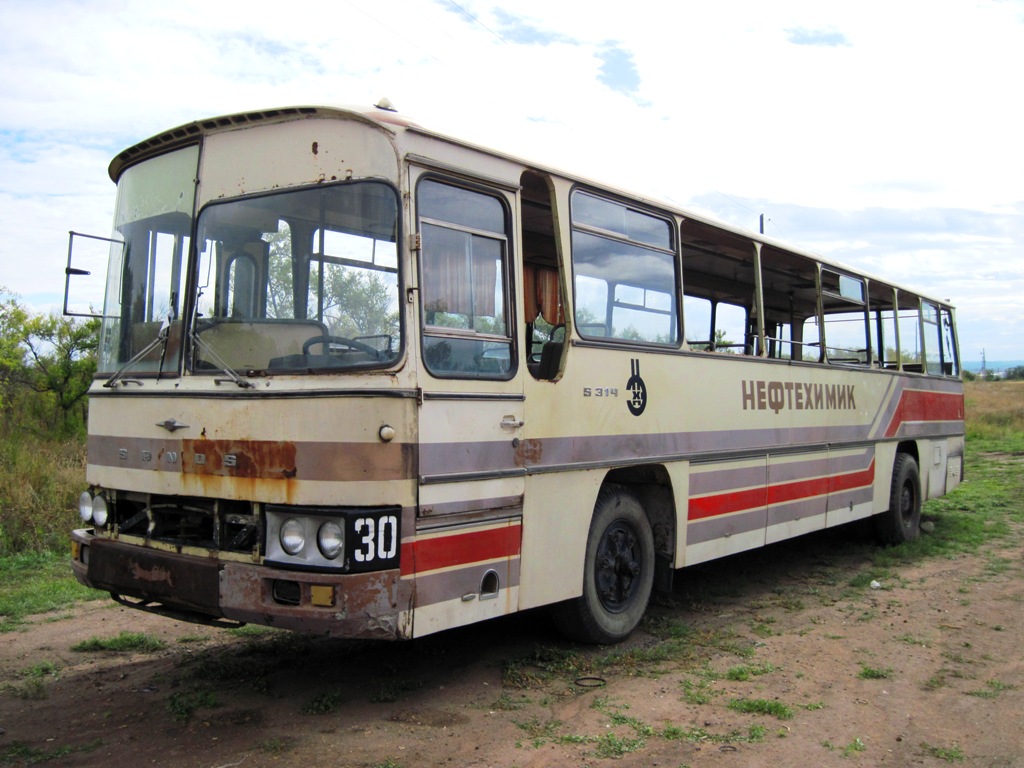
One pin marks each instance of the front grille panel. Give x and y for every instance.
(229, 526)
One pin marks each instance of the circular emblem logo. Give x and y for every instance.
(638, 390)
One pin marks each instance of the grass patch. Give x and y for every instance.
(700, 692)
(950, 754)
(992, 689)
(20, 753)
(277, 745)
(875, 673)
(753, 735)
(37, 582)
(612, 746)
(183, 705)
(854, 747)
(762, 707)
(323, 703)
(744, 672)
(134, 642)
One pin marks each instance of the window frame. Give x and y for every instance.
(674, 313)
(506, 273)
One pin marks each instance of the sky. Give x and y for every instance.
(884, 134)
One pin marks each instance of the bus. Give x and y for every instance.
(361, 379)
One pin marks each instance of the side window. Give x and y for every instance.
(731, 329)
(939, 346)
(908, 326)
(790, 295)
(464, 282)
(950, 358)
(624, 272)
(843, 303)
(697, 322)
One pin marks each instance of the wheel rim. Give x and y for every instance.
(908, 503)
(619, 565)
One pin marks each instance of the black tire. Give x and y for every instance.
(902, 521)
(618, 572)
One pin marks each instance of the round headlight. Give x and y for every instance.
(99, 510)
(85, 506)
(331, 539)
(293, 536)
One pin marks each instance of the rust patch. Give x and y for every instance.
(529, 452)
(264, 459)
(154, 575)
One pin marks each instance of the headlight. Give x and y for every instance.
(85, 506)
(293, 536)
(331, 539)
(99, 510)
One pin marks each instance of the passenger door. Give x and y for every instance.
(469, 519)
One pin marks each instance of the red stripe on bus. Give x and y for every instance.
(756, 498)
(916, 405)
(460, 549)
(723, 503)
(851, 480)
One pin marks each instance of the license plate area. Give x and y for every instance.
(372, 538)
(164, 577)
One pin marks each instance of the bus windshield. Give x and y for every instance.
(146, 275)
(299, 281)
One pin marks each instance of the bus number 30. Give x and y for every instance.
(378, 538)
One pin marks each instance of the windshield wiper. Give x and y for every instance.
(232, 374)
(160, 341)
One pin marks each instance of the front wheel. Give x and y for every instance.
(902, 521)
(618, 572)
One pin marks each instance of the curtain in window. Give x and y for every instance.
(542, 295)
(460, 272)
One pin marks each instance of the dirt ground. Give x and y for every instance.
(924, 668)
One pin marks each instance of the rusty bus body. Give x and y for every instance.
(364, 380)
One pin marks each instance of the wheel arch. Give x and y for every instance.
(909, 447)
(653, 488)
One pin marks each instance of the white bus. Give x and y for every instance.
(360, 379)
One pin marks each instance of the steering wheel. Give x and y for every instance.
(358, 346)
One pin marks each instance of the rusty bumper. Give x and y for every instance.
(365, 605)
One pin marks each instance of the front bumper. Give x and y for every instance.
(201, 589)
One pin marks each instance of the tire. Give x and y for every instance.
(618, 572)
(902, 521)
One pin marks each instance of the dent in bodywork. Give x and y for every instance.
(369, 605)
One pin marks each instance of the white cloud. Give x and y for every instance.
(904, 111)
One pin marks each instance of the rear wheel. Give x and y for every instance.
(618, 572)
(902, 521)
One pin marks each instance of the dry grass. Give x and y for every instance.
(995, 411)
(40, 481)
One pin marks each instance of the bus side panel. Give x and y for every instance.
(851, 484)
(941, 465)
(727, 508)
(463, 574)
(885, 460)
(797, 488)
(556, 521)
(954, 462)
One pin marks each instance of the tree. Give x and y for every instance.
(358, 302)
(46, 366)
(12, 353)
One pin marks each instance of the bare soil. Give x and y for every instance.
(924, 669)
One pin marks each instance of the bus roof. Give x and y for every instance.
(384, 116)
